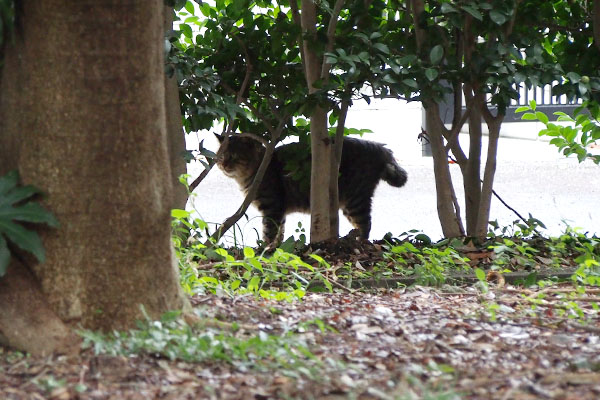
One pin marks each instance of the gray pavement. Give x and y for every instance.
(532, 177)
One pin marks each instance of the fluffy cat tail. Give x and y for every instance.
(394, 174)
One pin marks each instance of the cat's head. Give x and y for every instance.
(239, 157)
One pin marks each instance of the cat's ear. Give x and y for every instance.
(220, 138)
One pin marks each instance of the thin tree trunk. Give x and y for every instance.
(85, 122)
(488, 177)
(334, 200)
(175, 133)
(320, 142)
(447, 205)
(472, 172)
(320, 177)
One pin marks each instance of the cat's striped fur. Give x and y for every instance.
(286, 185)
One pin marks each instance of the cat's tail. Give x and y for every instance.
(394, 174)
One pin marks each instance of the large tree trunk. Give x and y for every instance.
(175, 134)
(82, 116)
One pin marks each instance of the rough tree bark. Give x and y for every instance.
(175, 134)
(82, 117)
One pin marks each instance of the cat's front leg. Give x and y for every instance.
(273, 227)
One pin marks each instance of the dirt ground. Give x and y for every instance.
(446, 343)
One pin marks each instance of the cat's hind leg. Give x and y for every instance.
(358, 212)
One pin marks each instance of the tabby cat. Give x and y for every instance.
(283, 189)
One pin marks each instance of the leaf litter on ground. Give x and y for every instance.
(491, 340)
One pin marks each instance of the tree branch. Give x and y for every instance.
(298, 21)
(511, 24)
(201, 177)
(253, 189)
(249, 68)
(331, 37)
(596, 23)
(418, 8)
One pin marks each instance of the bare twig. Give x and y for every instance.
(503, 202)
(339, 285)
(510, 208)
(201, 177)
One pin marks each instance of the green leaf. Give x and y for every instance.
(532, 104)
(541, 116)
(187, 30)
(448, 8)
(30, 212)
(249, 252)
(8, 182)
(4, 256)
(23, 238)
(431, 73)
(574, 77)
(382, 47)
(17, 194)
(189, 6)
(410, 82)
(498, 17)
(529, 117)
(473, 11)
(520, 77)
(14, 208)
(522, 108)
(179, 214)
(436, 54)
